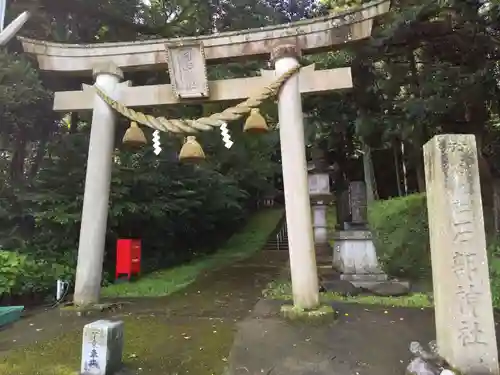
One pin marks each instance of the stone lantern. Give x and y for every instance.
(321, 196)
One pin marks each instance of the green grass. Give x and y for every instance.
(240, 246)
(153, 345)
(280, 290)
(156, 343)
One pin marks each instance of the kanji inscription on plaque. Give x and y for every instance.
(187, 69)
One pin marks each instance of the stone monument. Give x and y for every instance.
(354, 254)
(465, 328)
(358, 205)
(102, 348)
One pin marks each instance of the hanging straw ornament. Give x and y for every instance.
(134, 136)
(255, 123)
(191, 150)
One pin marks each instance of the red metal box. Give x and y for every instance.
(128, 257)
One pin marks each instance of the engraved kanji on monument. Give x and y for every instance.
(358, 202)
(188, 71)
(465, 327)
(102, 347)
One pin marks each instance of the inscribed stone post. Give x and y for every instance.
(102, 347)
(464, 316)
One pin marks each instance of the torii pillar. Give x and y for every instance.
(293, 158)
(97, 189)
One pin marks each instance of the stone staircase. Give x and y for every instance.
(278, 240)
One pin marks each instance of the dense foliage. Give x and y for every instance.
(401, 236)
(430, 67)
(179, 211)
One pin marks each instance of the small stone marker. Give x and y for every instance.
(102, 347)
(464, 315)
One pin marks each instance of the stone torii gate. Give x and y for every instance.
(283, 43)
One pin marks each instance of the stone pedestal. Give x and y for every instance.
(465, 327)
(354, 256)
(102, 348)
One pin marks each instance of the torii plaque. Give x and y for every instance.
(187, 69)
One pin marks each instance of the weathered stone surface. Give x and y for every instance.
(358, 202)
(311, 81)
(420, 367)
(354, 253)
(309, 35)
(319, 183)
(188, 71)
(389, 288)
(342, 287)
(343, 210)
(102, 347)
(464, 316)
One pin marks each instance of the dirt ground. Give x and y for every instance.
(190, 332)
(219, 325)
(365, 339)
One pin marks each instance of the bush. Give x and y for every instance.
(400, 229)
(401, 236)
(21, 274)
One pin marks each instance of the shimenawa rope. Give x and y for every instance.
(203, 123)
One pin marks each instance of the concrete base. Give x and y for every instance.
(90, 310)
(355, 257)
(354, 253)
(365, 280)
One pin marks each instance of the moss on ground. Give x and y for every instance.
(162, 342)
(322, 314)
(152, 345)
(240, 246)
(281, 290)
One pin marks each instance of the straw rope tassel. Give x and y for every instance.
(203, 123)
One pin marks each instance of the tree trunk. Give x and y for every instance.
(417, 160)
(37, 160)
(371, 184)
(397, 163)
(18, 159)
(73, 126)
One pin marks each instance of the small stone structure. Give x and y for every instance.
(102, 348)
(321, 196)
(464, 315)
(426, 362)
(354, 252)
(355, 257)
